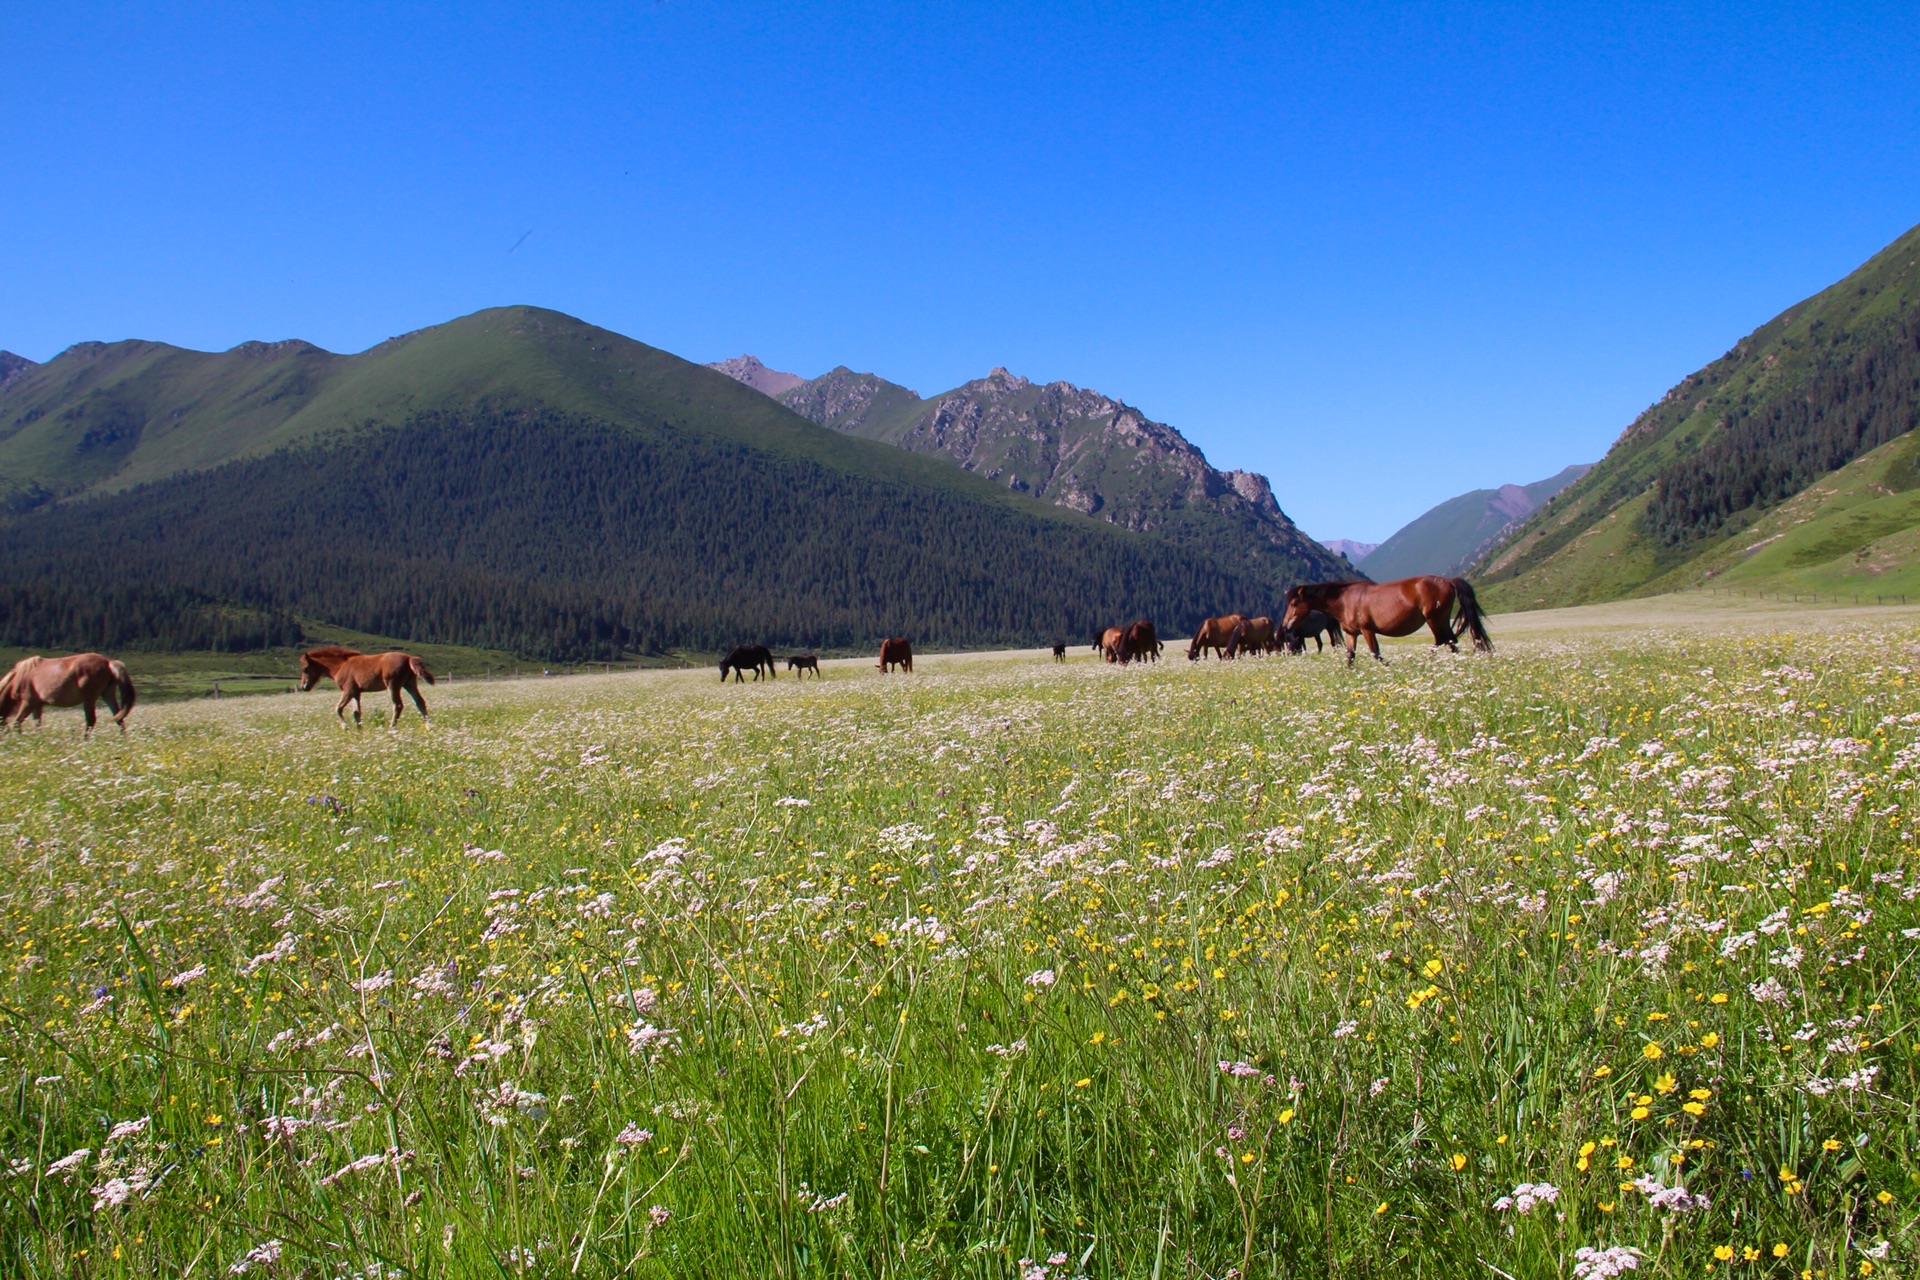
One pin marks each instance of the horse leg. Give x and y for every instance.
(398, 706)
(88, 706)
(113, 707)
(413, 690)
(1443, 634)
(340, 707)
(1373, 644)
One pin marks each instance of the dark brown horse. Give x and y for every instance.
(356, 673)
(1259, 636)
(82, 680)
(1316, 624)
(1371, 609)
(1215, 634)
(1059, 651)
(1140, 644)
(748, 657)
(803, 663)
(896, 651)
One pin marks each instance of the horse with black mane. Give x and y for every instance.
(1059, 651)
(744, 656)
(1366, 610)
(83, 680)
(803, 663)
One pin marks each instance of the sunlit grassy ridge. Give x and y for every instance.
(1006, 968)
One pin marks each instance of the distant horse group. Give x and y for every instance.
(1138, 642)
(1335, 612)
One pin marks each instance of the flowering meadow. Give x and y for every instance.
(1585, 959)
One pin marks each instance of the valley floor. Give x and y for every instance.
(1592, 952)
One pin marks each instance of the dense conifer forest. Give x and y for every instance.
(569, 539)
(1863, 390)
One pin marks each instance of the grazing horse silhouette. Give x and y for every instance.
(79, 681)
(1370, 609)
(803, 663)
(744, 656)
(896, 651)
(1059, 652)
(1315, 624)
(1140, 643)
(1214, 634)
(355, 673)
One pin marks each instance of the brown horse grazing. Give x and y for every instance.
(1214, 634)
(896, 651)
(1112, 643)
(356, 673)
(81, 680)
(1140, 644)
(1371, 609)
(1259, 636)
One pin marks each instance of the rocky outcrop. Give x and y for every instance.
(1077, 448)
(749, 370)
(13, 366)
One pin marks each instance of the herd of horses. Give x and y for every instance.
(1336, 611)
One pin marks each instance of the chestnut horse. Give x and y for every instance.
(82, 680)
(356, 673)
(1112, 643)
(896, 650)
(1371, 609)
(1215, 634)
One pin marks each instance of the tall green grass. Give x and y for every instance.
(1266, 968)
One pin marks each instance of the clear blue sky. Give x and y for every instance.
(1381, 253)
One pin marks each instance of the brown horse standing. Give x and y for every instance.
(1112, 643)
(1215, 634)
(1372, 609)
(896, 651)
(1140, 644)
(82, 680)
(356, 673)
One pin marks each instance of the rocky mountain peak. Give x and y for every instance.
(13, 366)
(749, 370)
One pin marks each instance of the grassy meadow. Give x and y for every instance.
(1593, 957)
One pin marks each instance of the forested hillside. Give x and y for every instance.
(520, 480)
(1825, 382)
(572, 539)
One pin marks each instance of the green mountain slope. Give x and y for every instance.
(1450, 536)
(1823, 383)
(520, 480)
(1082, 450)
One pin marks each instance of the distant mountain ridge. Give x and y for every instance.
(1827, 382)
(1355, 552)
(1448, 537)
(1079, 449)
(519, 479)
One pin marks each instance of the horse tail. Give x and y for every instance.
(420, 669)
(1470, 616)
(123, 685)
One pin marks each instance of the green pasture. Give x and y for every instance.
(1598, 950)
